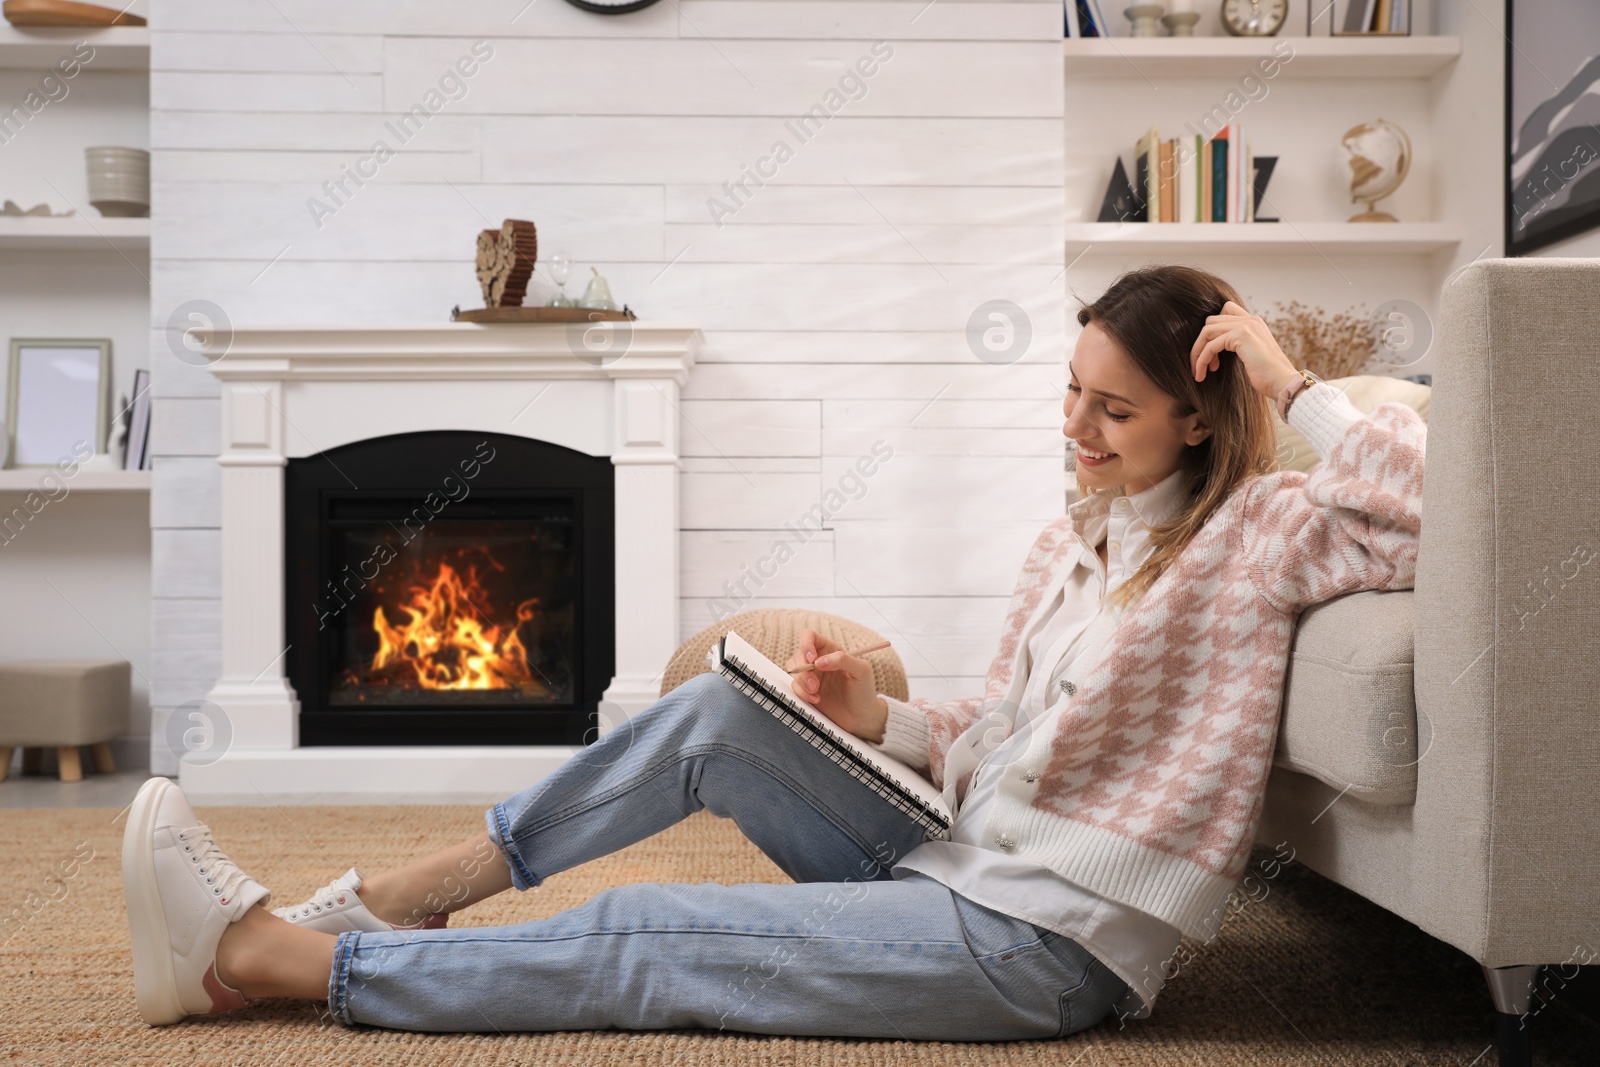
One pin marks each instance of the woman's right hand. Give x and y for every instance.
(841, 686)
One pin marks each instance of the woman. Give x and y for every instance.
(1106, 787)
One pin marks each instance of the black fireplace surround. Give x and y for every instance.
(449, 588)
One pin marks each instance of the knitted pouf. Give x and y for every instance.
(775, 632)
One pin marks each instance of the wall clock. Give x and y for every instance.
(1253, 18)
(619, 7)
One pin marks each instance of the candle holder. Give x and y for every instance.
(1181, 23)
(1143, 17)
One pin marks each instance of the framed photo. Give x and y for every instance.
(1552, 146)
(1358, 18)
(58, 395)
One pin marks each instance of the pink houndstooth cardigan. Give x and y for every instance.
(1152, 779)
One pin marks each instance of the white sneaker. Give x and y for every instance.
(335, 909)
(182, 892)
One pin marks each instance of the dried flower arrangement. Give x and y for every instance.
(1330, 346)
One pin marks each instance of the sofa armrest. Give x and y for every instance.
(1507, 816)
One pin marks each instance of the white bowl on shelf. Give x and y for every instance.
(119, 180)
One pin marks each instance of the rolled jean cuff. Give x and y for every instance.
(500, 833)
(344, 951)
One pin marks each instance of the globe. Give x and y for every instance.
(1379, 155)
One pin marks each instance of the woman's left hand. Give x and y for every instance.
(1236, 330)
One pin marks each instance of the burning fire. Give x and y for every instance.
(446, 643)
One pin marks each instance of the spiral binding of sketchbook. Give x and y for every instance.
(767, 683)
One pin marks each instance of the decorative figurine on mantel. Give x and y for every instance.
(1379, 155)
(505, 263)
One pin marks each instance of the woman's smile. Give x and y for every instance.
(1090, 457)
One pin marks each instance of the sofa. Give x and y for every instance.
(1438, 751)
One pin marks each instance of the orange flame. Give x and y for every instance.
(445, 643)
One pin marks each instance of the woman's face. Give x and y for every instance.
(1112, 407)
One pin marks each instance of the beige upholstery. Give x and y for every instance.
(1497, 848)
(775, 632)
(48, 703)
(1350, 712)
(61, 704)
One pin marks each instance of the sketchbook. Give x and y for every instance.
(768, 684)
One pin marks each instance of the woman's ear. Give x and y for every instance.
(1197, 430)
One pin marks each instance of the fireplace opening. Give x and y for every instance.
(449, 588)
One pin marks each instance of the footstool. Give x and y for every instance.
(61, 704)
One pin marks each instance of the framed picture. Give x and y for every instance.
(1552, 78)
(58, 396)
(1358, 18)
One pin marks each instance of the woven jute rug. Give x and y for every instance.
(1306, 973)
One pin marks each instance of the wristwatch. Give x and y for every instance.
(1293, 390)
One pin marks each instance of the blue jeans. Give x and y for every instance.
(847, 950)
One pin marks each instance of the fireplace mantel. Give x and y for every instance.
(290, 391)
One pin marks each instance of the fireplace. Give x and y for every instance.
(399, 627)
(449, 588)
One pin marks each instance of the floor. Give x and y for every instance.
(1307, 974)
(47, 791)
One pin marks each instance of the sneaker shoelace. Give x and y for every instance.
(221, 875)
(328, 897)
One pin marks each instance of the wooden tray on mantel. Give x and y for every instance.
(541, 314)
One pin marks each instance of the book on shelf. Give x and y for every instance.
(136, 454)
(1168, 181)
(1102, 28)
(769, 686)
(1219, 176)
(1145, 179)
(1084, 19)
(1194, 179)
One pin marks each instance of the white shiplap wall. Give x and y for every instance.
(834, 302)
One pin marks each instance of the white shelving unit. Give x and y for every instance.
(1278, 238)
(74, 232)
(1444, 89)
(75, 252)
(38, 47)
(27, 480)
(1226, 57)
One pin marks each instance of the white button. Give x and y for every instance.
(1116, 546)
(1030, 776)
(1005, 841)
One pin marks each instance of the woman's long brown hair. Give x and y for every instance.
(1154, 315)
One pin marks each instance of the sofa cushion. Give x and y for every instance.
(1349, 709)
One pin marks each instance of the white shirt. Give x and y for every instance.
(1136, 946)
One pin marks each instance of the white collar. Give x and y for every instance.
(1149, 507)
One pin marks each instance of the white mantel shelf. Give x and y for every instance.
(294, 391)
(453, 350)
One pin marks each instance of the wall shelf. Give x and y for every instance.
(27, 480)
(40, 47)
(1280, 238)
(1230, 57)
(75, 232)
